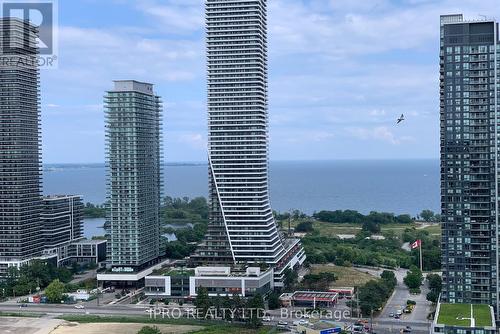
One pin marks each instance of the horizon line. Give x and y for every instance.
(277, 160)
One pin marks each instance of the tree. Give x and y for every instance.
(273, 301)
(389, 278)
(437, 218)
(255, 310)
(318, 282)
(435, 285)
(372, 296)
(414, 278)
(432, 297)
(371, 226)
(290, 278)
(149, 330)
(404, 219)
(202, 301)
(55, 291)
(435, 282)
(304, 227)
(427, 215)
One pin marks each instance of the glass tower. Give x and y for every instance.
(20, 160)
(133, 155)
(242, 228)
(469, 66)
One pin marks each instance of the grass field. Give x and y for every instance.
(482, 315)
(433, 229)
(21, 314)
(452, 314)
(332, 230)
(346, 276)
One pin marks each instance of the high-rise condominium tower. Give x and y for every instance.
(469, 87)
(242, 228)
(20, 165)
(133, 138)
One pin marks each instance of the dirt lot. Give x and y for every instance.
(118, 328)
(25, 325)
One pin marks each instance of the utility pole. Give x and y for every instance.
(358, 311)
(371, 321)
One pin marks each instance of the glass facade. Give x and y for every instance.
(469, 66)
(242, 227)
(20, 160)
(62, 218)
(133, 156)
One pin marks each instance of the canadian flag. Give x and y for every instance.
(416, 244)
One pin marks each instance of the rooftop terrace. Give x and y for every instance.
(465, 315)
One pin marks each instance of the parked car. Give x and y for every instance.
(266, 318)
(23, 305)
(80, 306)
(282, 324)
(391, 314)
(397, 316)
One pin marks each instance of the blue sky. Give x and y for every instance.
(340, 73)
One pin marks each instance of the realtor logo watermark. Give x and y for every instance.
(41, 14)
(246, 313)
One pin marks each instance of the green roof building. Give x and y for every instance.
(464, 319)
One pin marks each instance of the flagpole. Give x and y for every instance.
(421, 264)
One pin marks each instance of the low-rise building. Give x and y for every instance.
(62, 221)
(464, 319)
(309, 298)
(222, 281)
(81, 251)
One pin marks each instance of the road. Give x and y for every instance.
(381, 324)
(70, 309)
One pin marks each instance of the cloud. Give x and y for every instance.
(179, 16)
(195, 140)
(377, 112)
(380, 133)
(340, 71)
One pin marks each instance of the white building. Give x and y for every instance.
(242, 228)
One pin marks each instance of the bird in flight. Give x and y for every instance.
(401, 118)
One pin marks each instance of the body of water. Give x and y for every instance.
(406, 186)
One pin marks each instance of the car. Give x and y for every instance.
(23, 305)
(399, 312)
(406, 330)
(80, 306)
(266, 318)
(358, 328)
(397, 316)
(283, 323)
(408, 327)
(391, 314)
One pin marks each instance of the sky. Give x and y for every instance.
(340, 74)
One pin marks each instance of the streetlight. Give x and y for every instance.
(371, 320)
